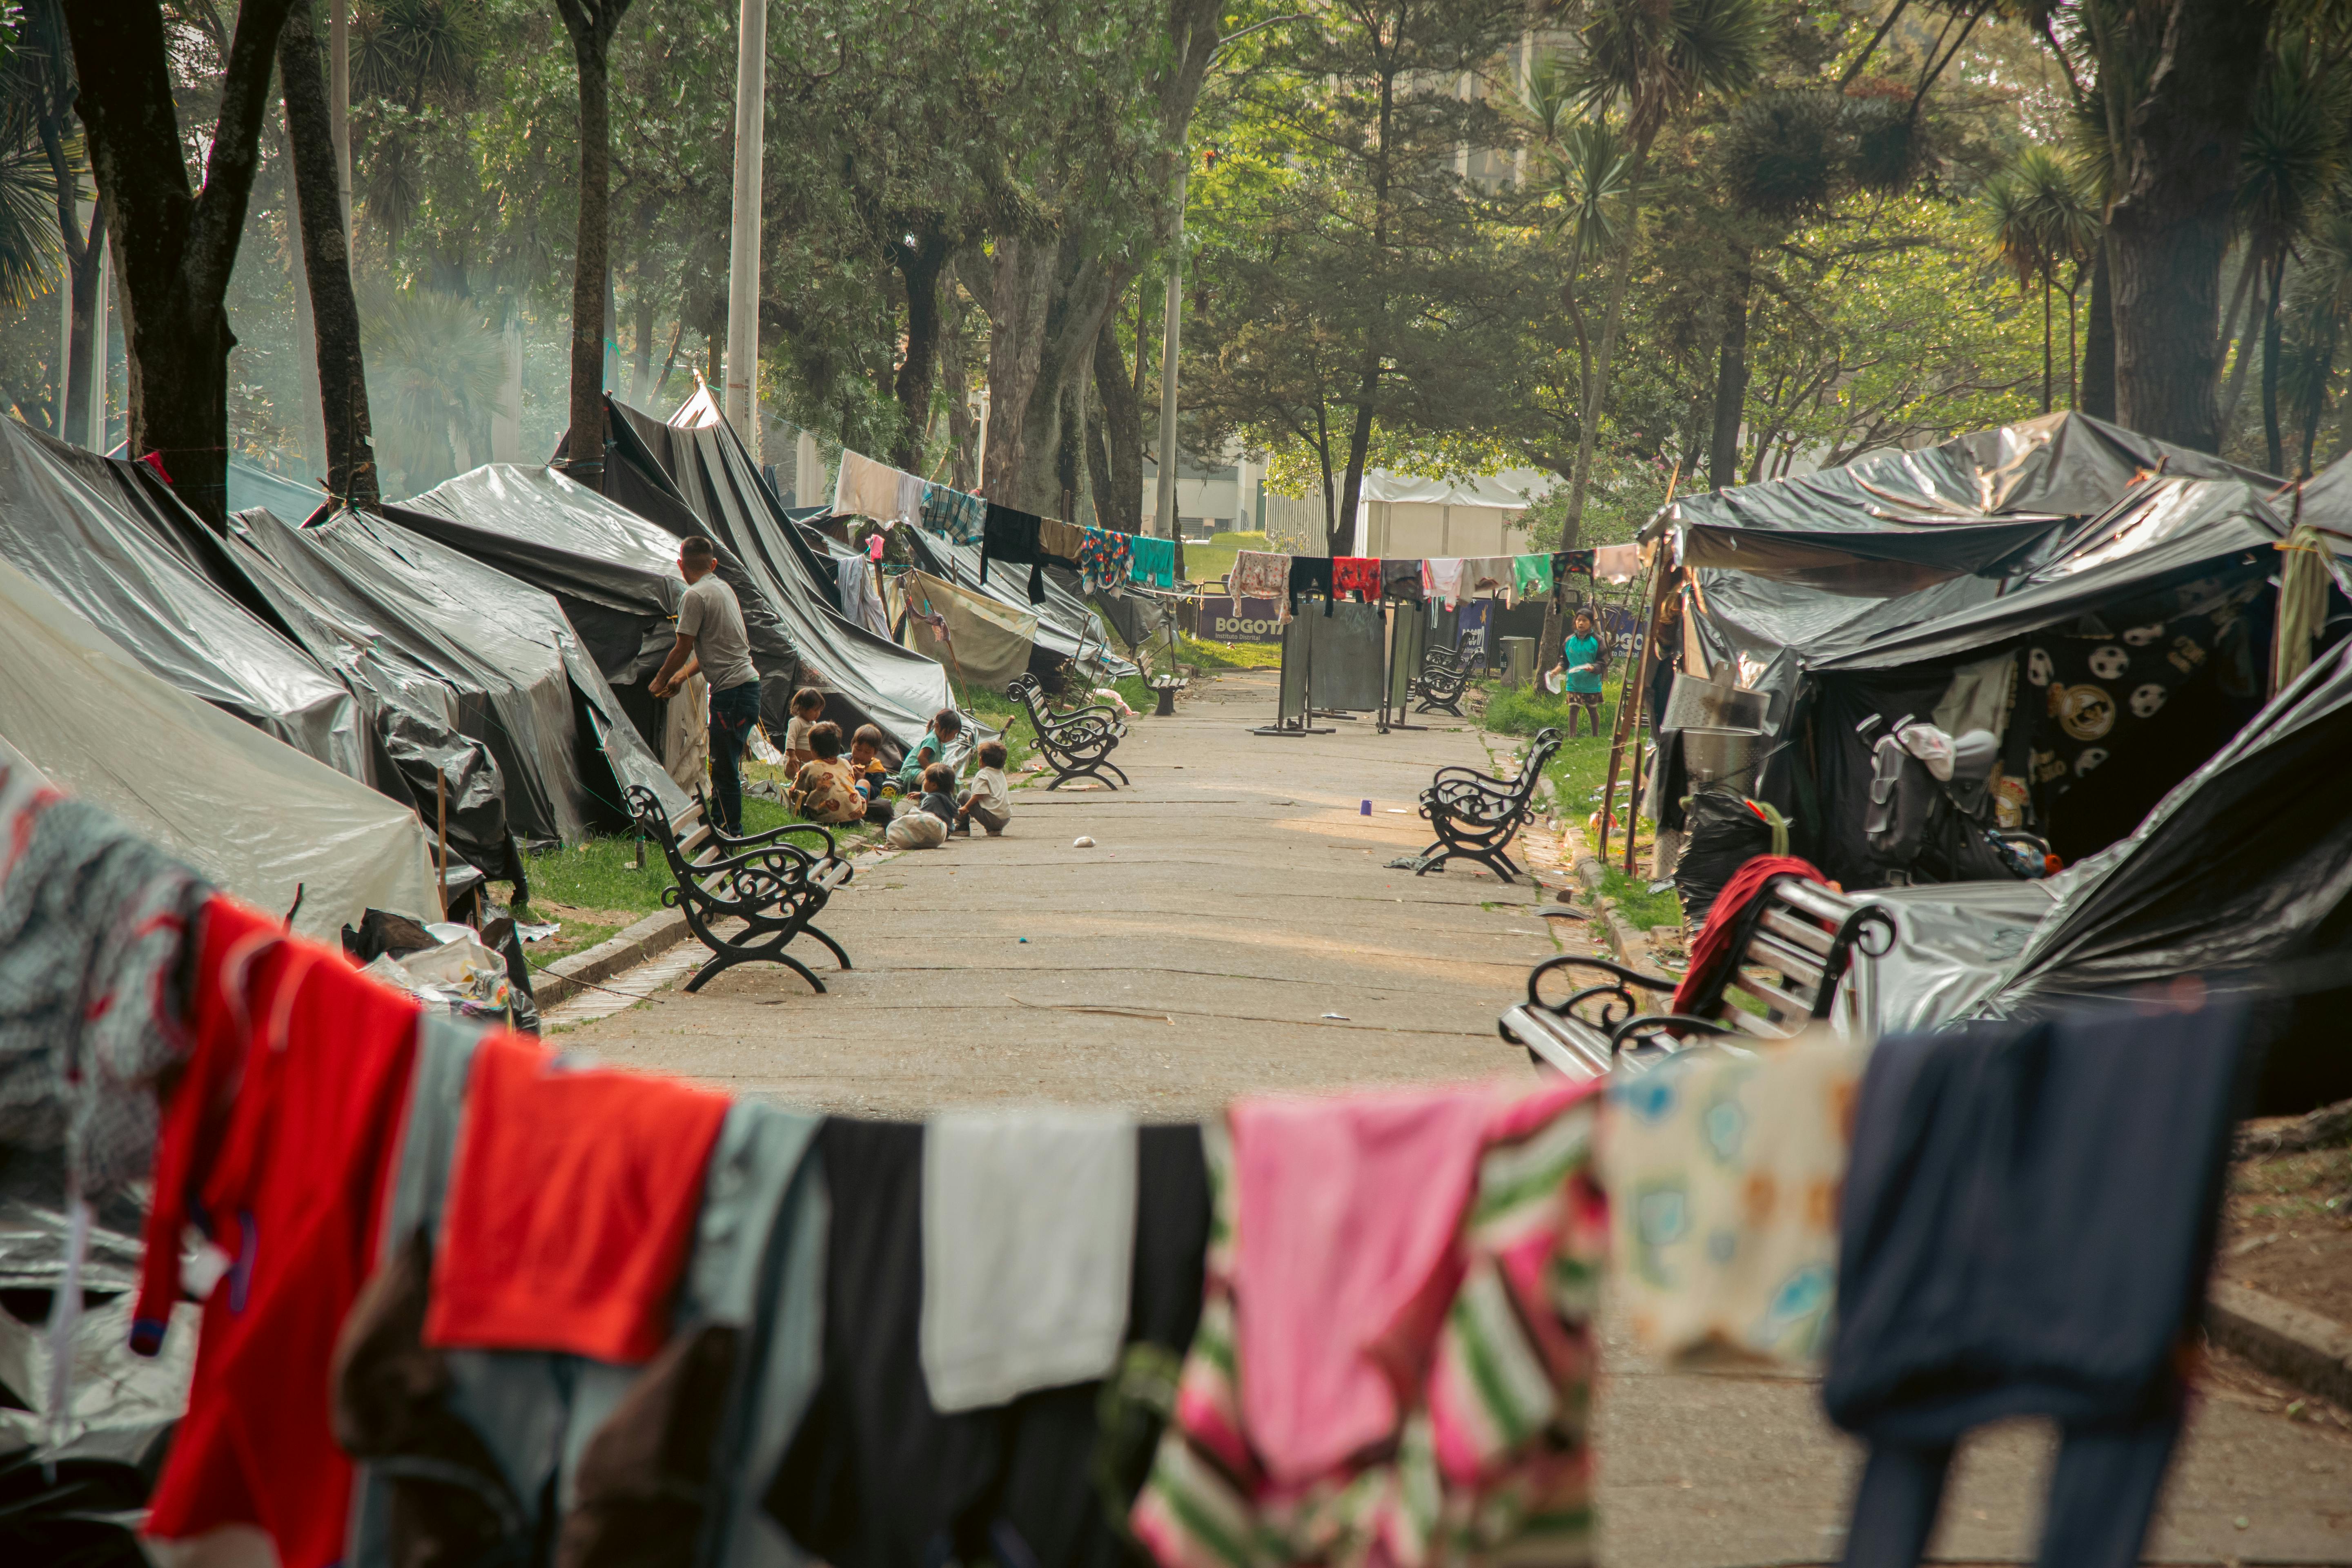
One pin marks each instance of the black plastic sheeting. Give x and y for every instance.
(69, 522)
(692, 475)
(1067, 629)
(526, 688)
(614, 573)
(1961, 506)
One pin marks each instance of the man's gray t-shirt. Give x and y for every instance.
(715, 621)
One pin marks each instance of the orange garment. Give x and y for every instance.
(1357, 574)
(277, 1141)
(572, 1206)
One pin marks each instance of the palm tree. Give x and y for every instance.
(1648, 59)
(2291, 154)
(2041, 214)
(2319, 307)
(435, 367)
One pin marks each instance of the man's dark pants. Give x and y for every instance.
(732, 713)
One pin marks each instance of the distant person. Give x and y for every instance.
(989, 802)
(711, 638)
(923, 820)
(808, 707)
(946, 725)
(826, 789)
(1582, 658)
(875, 784)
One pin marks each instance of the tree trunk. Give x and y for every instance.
(1342, 522)
(174, 248)
(2098, 395)
(1596, 399)
(2273, 444)
(327, 264)
(1122, 432)
(591, 24)
(2236, 385)
(921, 267)
(1730, 380)
(1047, 308)
(82, 253)
(2171, 226)
(1101, 486)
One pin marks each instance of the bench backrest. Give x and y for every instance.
(1795, 940)
(1531, 769)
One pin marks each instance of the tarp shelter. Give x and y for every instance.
(258, 817)
(981, 642)
(691, 475)
(614, 573)
(526, 686)
(76, 526)
(251, 485)
(1067, 626)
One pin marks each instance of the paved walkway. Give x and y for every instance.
(1234, 900)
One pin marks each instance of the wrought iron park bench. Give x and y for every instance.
(1475, 815)
(1795, 942)
(775, 887)
(1076, 744)
(1444, 676)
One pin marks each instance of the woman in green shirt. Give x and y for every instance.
(1582, 658)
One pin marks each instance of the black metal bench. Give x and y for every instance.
(1444, 676)
(1475, 816)
(1076, 744)
(1795, 942)
(776, 889)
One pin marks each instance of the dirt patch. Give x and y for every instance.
(2288, 1228)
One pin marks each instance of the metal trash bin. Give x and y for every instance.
(1518, 661)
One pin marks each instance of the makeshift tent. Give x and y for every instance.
(72, 524)
(691, 475)
(982, 643)
(251, 485)
(1403, 515)
(1067, 626)
(614, 573)
(258, 817)
(526, 687)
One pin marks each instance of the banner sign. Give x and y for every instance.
(1260, 620)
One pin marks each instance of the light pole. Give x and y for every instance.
(742, 399)
(1163, 521)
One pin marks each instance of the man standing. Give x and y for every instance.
(710, 638)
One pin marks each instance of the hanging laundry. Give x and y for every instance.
(572, 1206)
(93, 924)
(859, 603)
(1566, 562)
(1401, 581)
(876, 1477)
(1357, 574)
(1531, 575)
(960, 516)
(1106, 561)
(279, 1136)
(1061, 543)
(1310, 578)
(1490, 577)
(1010, 538)
(1441, 580)
(910, 502)
(1028, 1239)
(519, 1433)
(1723, 1174)
(1258, 574)
(1617, 563)
(1154, 562)
(1472, 1240)
(2026, 1229)
(865, 487)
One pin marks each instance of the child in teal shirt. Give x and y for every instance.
(1582, 658)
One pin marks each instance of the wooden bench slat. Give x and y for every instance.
(1803, 932)
(1802, 968)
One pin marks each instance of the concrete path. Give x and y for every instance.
(1235, 899)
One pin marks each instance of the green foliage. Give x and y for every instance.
(434, 368)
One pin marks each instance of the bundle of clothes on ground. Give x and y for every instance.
(467, 1299)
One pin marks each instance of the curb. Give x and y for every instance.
(567, 977)
(2313, 1352)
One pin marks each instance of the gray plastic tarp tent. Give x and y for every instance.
(526, 687)
(1067, 627)
(70, 522)
(254, 814)
(692, 474)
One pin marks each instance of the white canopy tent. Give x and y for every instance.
(1404, 516)
(249, 812)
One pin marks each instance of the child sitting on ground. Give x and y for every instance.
(824, 790)
(946, 725)
(989, 802)
(873, 778)
(922, 822)
(808, 707)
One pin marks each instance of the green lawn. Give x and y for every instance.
(1206, 563)
(1577, 771)
(1228, 654)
